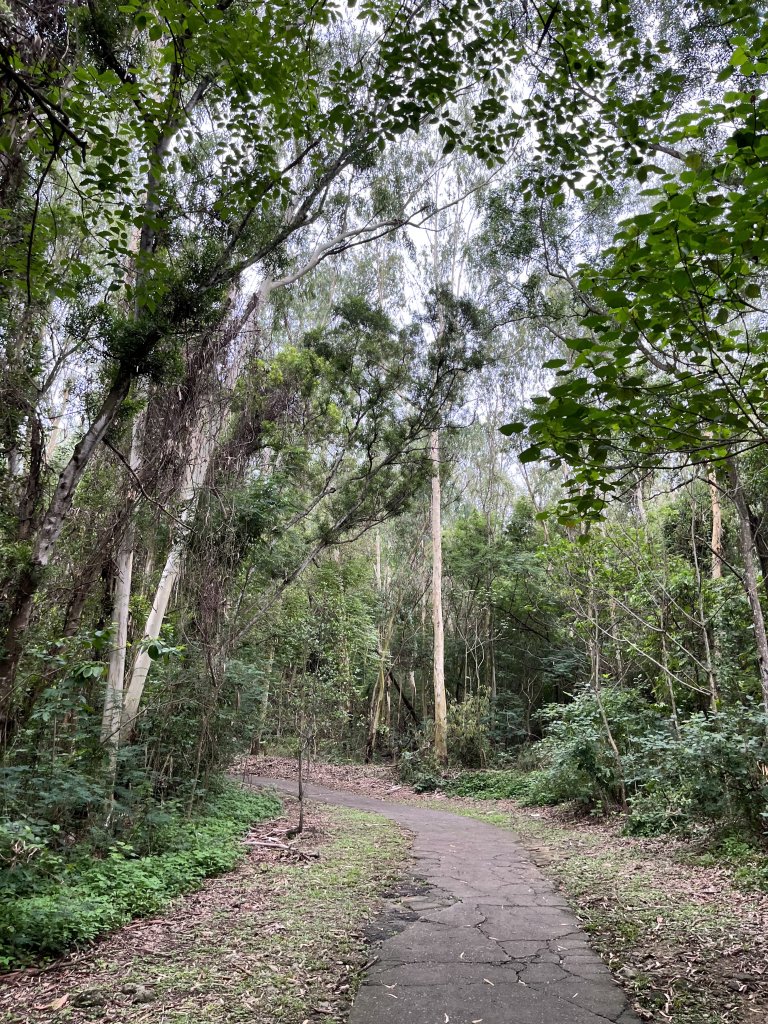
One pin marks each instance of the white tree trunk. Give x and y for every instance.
(201, 450)
(750, 576)
(438, 675)
(717, 527)
(57, 422)
(113, 698)
(377, 564)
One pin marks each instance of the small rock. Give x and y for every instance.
(143, 995)
(90, 997)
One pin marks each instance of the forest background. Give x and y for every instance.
(379, 381)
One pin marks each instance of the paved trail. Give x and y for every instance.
(489, 940)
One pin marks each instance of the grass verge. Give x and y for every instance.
(42, 916)
(275, 941)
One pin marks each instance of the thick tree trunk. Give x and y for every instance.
(202, 449)
(750, 575)
(438, 672)
(113, 699)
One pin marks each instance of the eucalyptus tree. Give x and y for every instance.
(188, 146)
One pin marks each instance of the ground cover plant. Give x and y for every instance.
(51, 903)
(279, 939)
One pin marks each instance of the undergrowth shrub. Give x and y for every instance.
(575, 761)
(714, 773)
(52, 901)
(469, 723)
(490, 785)
(419, 769)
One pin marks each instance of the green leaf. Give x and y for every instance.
(532, 454)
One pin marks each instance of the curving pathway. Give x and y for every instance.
(488, 940)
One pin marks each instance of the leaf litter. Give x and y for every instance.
(686, 942)
(280, 940)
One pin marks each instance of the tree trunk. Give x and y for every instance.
(113, 700)
(57, 421)
(750, 575)
(491, 655)
(202, 449)
(438, 675)
(596, 659)
(31, 576)
(717, 570)
(263, 706)
(376, 707)
(717, 527)
(667, 674)
(404, 696)
(640, 502)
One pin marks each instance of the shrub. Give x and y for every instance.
(712, 774)
(419, 769)
(575, 759)
(49, 904)
(490, 785)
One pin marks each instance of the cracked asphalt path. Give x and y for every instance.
(488, 939)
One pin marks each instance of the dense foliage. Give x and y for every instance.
(54, 898)
(383, 381)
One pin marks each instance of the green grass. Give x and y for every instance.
(84, 898)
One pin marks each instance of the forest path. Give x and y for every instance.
(487, 938)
